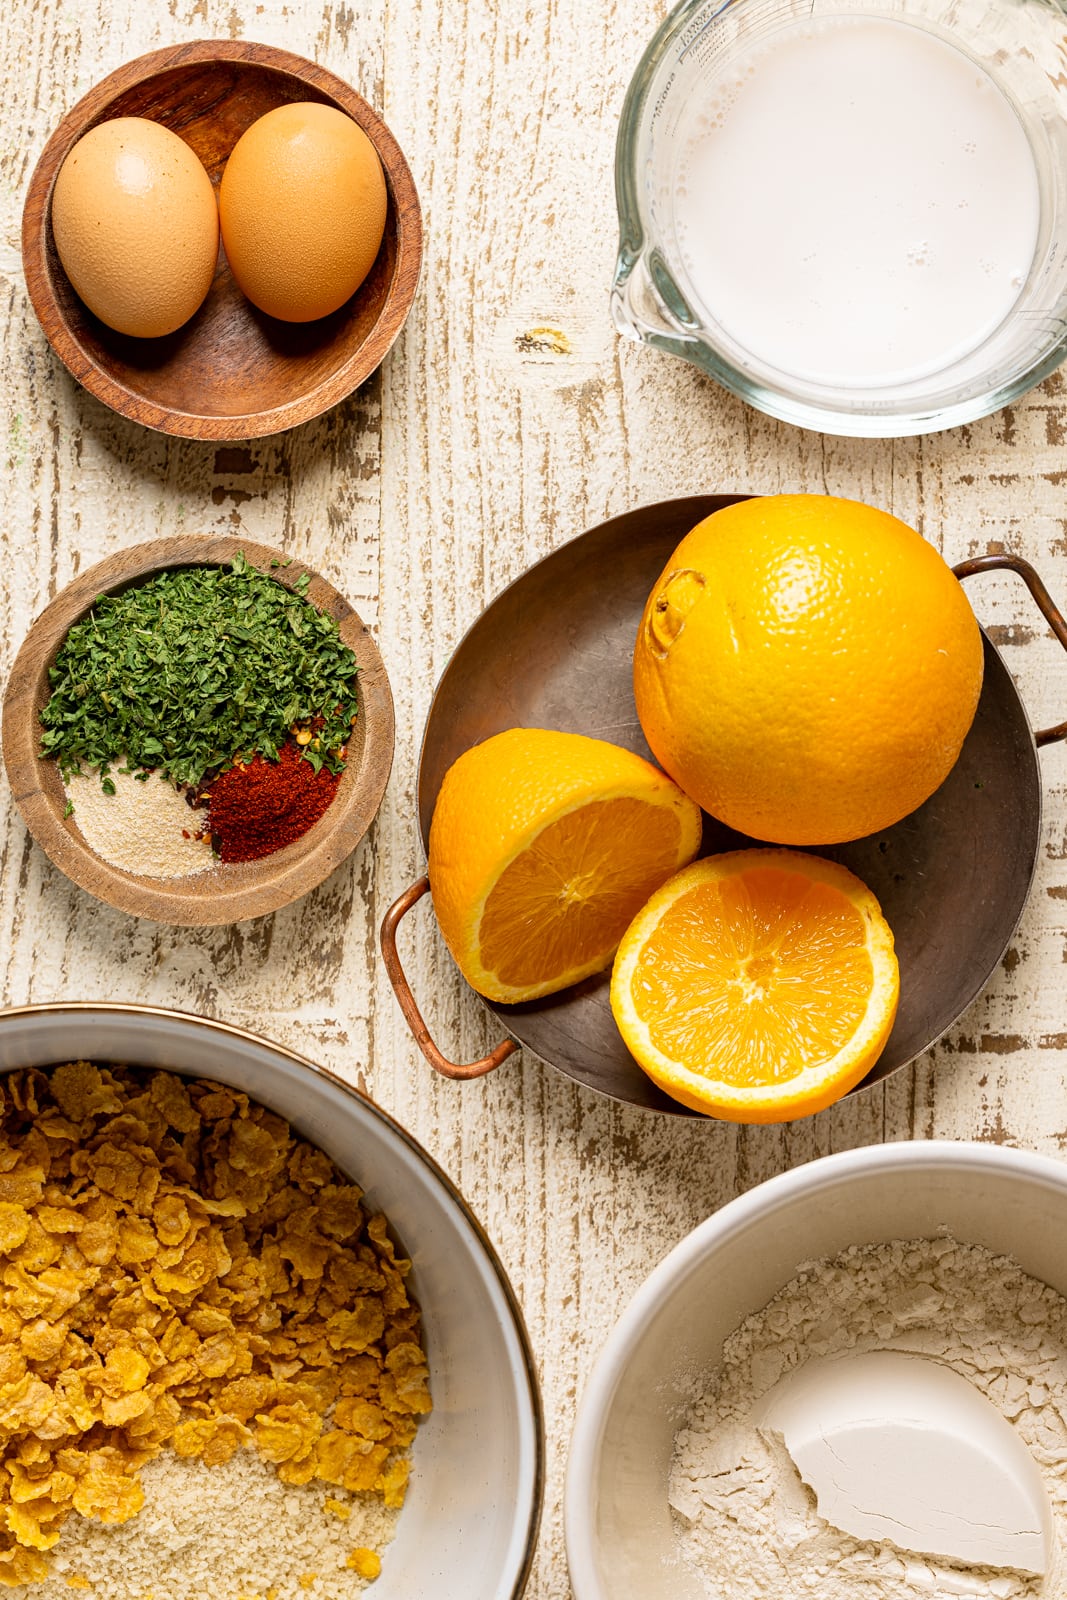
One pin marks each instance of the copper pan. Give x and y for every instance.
(554, 650)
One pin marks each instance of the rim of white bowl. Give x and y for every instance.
(524, 1543)
(579, 1508)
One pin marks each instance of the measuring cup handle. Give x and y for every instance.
(1045, 604)
(406, 1000)
(637, 308)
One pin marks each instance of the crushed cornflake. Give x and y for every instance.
(178, 1270)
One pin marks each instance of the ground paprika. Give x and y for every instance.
(256, 809)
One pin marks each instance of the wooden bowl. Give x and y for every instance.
(231, 372)
(226, 892)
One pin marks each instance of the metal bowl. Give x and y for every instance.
(470, 1520)
(555, 650)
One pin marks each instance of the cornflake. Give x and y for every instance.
(177, 1269)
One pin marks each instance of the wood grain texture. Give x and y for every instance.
(230, 892)
(481, 444)
(231, 371)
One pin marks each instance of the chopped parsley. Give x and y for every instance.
(194, 669)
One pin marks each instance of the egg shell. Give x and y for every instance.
(136, 226)
(302, 206)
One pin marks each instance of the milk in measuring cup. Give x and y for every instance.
(856, 204)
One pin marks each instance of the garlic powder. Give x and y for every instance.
(141, 827)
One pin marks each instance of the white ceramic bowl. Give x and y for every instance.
(469, 1523)
(620, 1539)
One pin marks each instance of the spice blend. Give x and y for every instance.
(180, 1273)
(256, 809)
(224, 682)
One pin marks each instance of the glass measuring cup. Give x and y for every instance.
(1019, 44)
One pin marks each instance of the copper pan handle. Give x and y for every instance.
(1045, 604)
(406, 1000)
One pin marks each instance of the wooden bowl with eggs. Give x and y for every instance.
(231, 371)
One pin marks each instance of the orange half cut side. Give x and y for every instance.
(562, 905)
(757, 986)
(544, 845)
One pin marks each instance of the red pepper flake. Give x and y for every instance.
(259, 808)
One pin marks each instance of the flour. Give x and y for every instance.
(748, 1525)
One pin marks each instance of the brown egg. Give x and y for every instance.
(302, 206)
(136, 226)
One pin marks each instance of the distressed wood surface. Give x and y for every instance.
(480, 445)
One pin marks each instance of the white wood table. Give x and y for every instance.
(476, 449)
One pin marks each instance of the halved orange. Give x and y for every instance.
(757, 986)
(543, 846)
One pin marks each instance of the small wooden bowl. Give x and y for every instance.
(231, 372)
(226, 892)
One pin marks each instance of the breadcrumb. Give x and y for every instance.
(228, 1531)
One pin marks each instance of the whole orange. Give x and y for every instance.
(807, 668)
